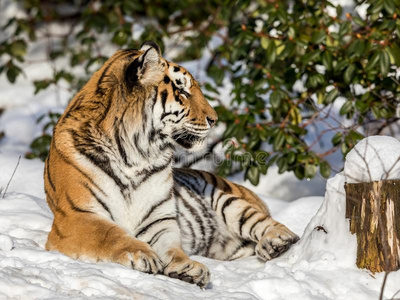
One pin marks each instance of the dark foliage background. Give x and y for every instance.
(265, 49)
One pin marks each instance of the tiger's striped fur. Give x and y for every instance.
(115, 196)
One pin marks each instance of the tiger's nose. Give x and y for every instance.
(211, 121)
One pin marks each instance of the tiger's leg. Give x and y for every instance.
(87, 236)
(164, 236)
(248, 218)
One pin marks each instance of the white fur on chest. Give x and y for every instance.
(128, 208)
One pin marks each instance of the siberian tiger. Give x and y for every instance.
(115, 196)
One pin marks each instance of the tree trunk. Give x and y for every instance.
(374, 212)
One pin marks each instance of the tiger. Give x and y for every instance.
(112, 188)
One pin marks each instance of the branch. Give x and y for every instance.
(5, 191)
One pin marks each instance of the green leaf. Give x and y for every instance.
(373, 61)
(275, 99)
(318, 37)
(376, 7)
(217, 74)
(360, 22)
(348, 74)
(210, 88)
(310, 57)
(120, 37)
(355, 136)
(389, 6)
(253, 174)
(384, 61)
(264, 43)
(327, 60)
(325, 169)
(337, 138)
(332, 95)
(395, 51)
(41, 85)
(271, 53)
(282, 164)
(346, 107)
(12, 73)
(18, 48)
(279, 140)
(291, 157)
(310, 170)
(288, 50)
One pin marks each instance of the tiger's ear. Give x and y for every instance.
(150, 44)
(147, 69)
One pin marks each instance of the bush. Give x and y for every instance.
(288, 61)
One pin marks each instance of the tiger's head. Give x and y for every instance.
(179, 108)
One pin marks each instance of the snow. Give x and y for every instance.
(372, 159)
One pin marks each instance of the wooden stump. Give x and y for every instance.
(374, 212)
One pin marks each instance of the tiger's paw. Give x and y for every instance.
(146, 261)
(189, 271)
(275, 242)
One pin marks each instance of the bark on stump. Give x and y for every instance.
(374, 212)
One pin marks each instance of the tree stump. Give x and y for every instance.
(374, 212)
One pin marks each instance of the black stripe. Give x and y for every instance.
(76, 104)
(121, 149)
(166, 79)
(226, 187)
(164, 96)
(150, 172)
(57, 231)
(197, 218)
(154, 207)
(96, 155)
(219, 197)
(243, 221)
(137, 144)
(186, 183)
(177, 121)
(143, 231)
(254, 226)
(243, 244)
(193, 236)
(67, 161)
(225, 205)
(200, 173)
(99, 82)
(156, 237)
(74, 207)
(212, 196)
(48, 175)
(208, 217)
(98, 199)
(265, 229)
(103, 163)
(175, 113)
(154, 134)
(50, 200)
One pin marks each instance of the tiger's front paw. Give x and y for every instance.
(275, 242)
(146, 261)
(189, 271)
